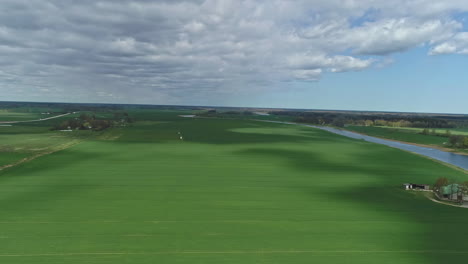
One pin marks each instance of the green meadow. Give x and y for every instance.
(27, 113)
(24, 140)
(232, 191)
(401, 134)
(453, 131)
(19, 116)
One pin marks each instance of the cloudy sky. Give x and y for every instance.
(400, 55)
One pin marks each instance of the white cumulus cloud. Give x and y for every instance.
(456, 44)
(168, 51)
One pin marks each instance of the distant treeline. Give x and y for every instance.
(427, 123)
(215, 113)
(91, 107)
(90, 122)
(393, 120)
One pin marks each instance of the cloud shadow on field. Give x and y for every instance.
(35, 188)
(441, 233)
(57, 160)
(224, 131)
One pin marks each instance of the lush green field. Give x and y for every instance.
(407, 135)
(23, 140)
(28, 113)
(230, 192)
(19, 116)
(241, 116)
(453, 131)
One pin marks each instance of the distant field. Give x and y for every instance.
(18, 141)
(407, 135)
(10, 157)
(251, 116)
(232, 191)
(453, 131)
(16, 116)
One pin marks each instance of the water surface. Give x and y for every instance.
(444, 156)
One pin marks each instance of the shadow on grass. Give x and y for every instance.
(60, 159)
(218, 131)
(439, 232)
(382, 170)
(34, 189)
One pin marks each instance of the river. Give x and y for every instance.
(458, 160)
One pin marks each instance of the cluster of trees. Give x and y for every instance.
(409, 122)
(458, 141)
(382, 122)
(248, 113)
(369, 119)
(209, 113)
(231, 113)
(123, 117)
(90, 122)
(433, 132)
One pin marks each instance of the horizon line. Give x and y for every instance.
(247, 107)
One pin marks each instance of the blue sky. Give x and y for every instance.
(400, 55)
(414, 82)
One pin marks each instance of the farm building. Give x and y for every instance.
(413, 186)
(453, 192)
(449, 190)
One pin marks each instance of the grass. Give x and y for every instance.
(234, 115)
(406, 135)
(24, 140)
(19, 116)
(233, 191)
(453, 131)
(10, 157)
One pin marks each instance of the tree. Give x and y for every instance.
(338, 122)
(380, 122)
(465, 141)
(84, 117)
(369, 123)
(461, 191)
(440, 182)
(405, 123)
(464, 187)
(456, 140)
(447, 133)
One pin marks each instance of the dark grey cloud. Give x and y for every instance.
(173, 51)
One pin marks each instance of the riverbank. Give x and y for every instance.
(434, 146)
(450, 159)
(411, 143)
